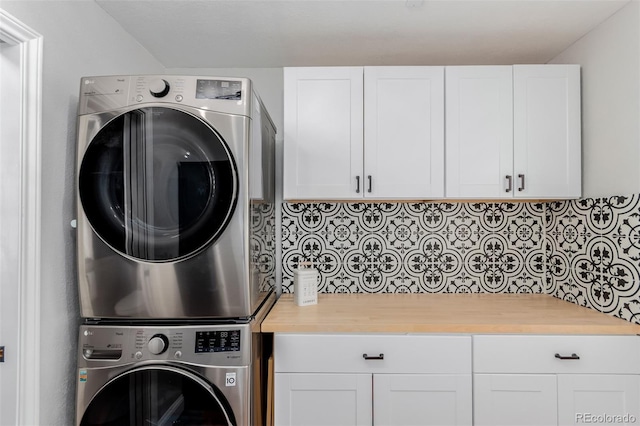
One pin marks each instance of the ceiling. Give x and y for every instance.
(276, 33)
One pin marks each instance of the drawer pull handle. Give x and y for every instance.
(573, 356)
(365, 356)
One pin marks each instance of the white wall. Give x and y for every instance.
(79, 39)
(610, 59)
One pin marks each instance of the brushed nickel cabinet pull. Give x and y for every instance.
(369, 177)
(509, 183)
(572, 356)
(521, 182)
(357, 184)
(365, 356)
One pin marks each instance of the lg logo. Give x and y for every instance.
(231, 379)
(89, 81)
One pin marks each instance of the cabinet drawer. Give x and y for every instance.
(342, 353)
(537, 354)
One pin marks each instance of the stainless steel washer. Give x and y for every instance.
(176, 207)
(170, 375)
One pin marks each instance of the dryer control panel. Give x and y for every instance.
(221, 94)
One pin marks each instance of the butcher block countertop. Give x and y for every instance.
(440, 313)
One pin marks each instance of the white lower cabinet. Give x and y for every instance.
(598, 398)
(485, 380)
(515, 399)
(556, 380)
(421, 399)
(323, 399)
(392, 380)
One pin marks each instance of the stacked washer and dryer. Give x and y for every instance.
(176, 250)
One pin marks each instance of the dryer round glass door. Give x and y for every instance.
(157, 396)
(157, 184)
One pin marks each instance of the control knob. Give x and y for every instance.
(158, 344)
(159, 87)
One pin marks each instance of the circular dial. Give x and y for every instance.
(159, 87)
(158, 344)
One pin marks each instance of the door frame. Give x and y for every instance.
(16, 33)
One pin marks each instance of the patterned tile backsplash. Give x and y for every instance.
(585, 251)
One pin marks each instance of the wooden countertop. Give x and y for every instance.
(441, 313)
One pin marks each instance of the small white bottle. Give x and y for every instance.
(305, 284)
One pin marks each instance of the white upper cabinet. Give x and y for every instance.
(372, 132)
(513, 132)
(547, 134)
(479, 123)
(322, 132)
(404, 132)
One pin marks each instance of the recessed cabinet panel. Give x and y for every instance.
(515, 400)
(479, 129)
(322, 399)
(598, 399)
(322, 132)
(547, 136)
(404, 132)
(422, 399)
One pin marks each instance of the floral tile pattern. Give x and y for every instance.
(593, 253)
(583, 251)
(417, 247)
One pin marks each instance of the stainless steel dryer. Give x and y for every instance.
(171, 375)
(175, 198)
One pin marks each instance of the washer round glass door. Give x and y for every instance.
(157, 396)
(157, 184)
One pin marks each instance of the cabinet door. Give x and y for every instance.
(479, 129)
(514, 399)
(322, 399)
(547, 135)
(421, 399)
(404, 132)
(582, 398)
(323, 133)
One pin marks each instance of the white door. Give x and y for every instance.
(598, 399)
(403, 132)
(514, 400)
(323, 133)
(479, 132)
(20, 130)
(322, 399)
(547, 134)
(10, 173)
(421, 399)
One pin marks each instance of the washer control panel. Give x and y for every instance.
(207, 344)
(217, 341)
